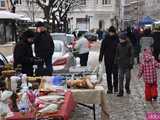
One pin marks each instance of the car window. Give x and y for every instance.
(58, 46)
(58, 37)
(69, 39)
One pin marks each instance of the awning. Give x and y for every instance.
(9, 15)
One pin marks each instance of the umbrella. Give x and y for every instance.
(9, 15)
(146, 20)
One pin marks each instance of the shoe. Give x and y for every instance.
(128, 91)
(120, 95)
(115, 90)
(154, 98)
(109, 92)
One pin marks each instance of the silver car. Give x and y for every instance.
(62, 58)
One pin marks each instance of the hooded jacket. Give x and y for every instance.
(148, 68)
(23, 55)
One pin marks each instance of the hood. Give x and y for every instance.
(147, 56)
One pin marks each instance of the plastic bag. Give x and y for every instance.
(100, 72)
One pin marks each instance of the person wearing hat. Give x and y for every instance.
(23, 54)
(108, 50)
(124, 59)
(44, 48)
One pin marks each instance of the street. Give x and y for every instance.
(129, 107)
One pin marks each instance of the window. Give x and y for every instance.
(2, 3)
(104, 2)
(83, 2)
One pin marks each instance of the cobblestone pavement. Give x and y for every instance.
(129, 107)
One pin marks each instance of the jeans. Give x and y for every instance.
(124, 73)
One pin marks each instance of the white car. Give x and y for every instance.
(62, 58)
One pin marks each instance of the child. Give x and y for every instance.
(124, 59)
(147, 69)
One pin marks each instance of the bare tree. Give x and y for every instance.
(32, 9)
(57, 10)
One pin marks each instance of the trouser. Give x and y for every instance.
(114, 72)
(151, 91)
(45, 68)
(83, 59)
(124, 73)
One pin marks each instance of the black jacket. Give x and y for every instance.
(44, 45)
(23, 55)
(108, 49)
(156, 37)
(124, 55)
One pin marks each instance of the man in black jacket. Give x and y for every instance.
(156, 43)
(23, 54)
(108, 50)
(44, 48)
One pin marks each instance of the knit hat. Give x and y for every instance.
(39, 24)
(112, 29)
(28, 34)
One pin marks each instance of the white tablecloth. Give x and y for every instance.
(93, 96)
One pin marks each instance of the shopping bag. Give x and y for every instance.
(99, 71)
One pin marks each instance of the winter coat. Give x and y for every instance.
(23, 55)
(108, 50)
(44, 45)
(156, 44)
(82, 45)
(148, 68)
(124, 55)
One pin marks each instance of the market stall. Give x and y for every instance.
(95, 96)
(52, 97)
(62, 114)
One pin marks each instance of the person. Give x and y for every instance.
(156, 43)
(44, 48)
(23, 54)
(100, 34)
(124, 59)
(83, 46)
(146, 42)
(108, 50)
(148, 69)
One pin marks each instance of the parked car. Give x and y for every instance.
(62, 58)
(3, 61)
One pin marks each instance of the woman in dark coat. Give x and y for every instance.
(23, 54)
(108, 50)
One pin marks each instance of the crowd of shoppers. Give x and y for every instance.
(119, 51)
(43, 47)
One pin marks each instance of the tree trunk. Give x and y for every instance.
(53, 22)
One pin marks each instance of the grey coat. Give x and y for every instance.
(124, 55)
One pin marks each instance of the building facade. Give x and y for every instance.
(94, 14)
(133, 11)
(28, 9)
(5, 5)
(152, 8)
